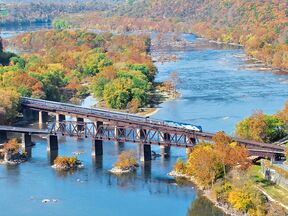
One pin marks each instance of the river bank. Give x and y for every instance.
(207, 193)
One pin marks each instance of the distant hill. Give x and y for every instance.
(261, 26)
(29, 11)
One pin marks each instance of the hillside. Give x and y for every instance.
(31, 11)
(261, 26)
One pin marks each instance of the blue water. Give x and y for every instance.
(217, 91)
(218, 88)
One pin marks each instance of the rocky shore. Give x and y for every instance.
(126, 170)
(68, 166)
(13, 159)
(208, 194)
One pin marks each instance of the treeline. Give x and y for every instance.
(261, 26)
(45, 11)
(67, 65)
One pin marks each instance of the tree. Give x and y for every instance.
(180, 166)
(9, 105)
(203, 164)
(95, 62)
(126, 160)
(221, 147)
(261, 127)
(60, 24)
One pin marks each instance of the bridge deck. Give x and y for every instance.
(23, 130)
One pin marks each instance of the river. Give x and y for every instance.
(218, 89)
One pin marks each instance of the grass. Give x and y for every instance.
(276, 192)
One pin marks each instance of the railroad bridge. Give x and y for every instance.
(103, 125)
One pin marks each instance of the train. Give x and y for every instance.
(183, 125)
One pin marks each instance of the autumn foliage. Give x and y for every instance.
(66, 162)
(263, 128)
(64, 64)
(126, 160)
(12, 146)
(260, 26)
(211, 161)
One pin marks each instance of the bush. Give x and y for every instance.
(12, 146)
(180, 166)
(126, 160)
(66, 162)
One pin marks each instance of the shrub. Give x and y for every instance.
(12, 146)
(180, 166)
(66, 162)
(126, 160)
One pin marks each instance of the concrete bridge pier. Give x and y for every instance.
(165, 150)
(97, 147)
(147, 152)
(119, 133)
(26, 140)
(60, 118)
(97, 128)
(43, 117)
(52, 143)
(28, 151)
(3, 136)
(97, 161)
(80, 124)
(29, 115)
(51, 156)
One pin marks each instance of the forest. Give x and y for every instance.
(260, 26)
(44, 11)
(62, 65)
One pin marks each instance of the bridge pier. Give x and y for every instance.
(147, 152)
(165, 150)
(98, 125)
(29, 114)
(80, 123)
(26, 140)
(51, 156)
(3, 136)
(60, 117)
(43, 117)
(52, 143)
(97, 147)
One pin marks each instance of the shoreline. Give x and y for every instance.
(206, 193)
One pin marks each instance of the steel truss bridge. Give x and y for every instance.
(122, 127)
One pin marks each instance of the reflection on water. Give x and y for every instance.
(203, 207)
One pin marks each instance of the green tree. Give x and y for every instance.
(261, 127)
(60, 24)
(95, 62)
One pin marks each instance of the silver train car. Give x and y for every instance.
(184, 125)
